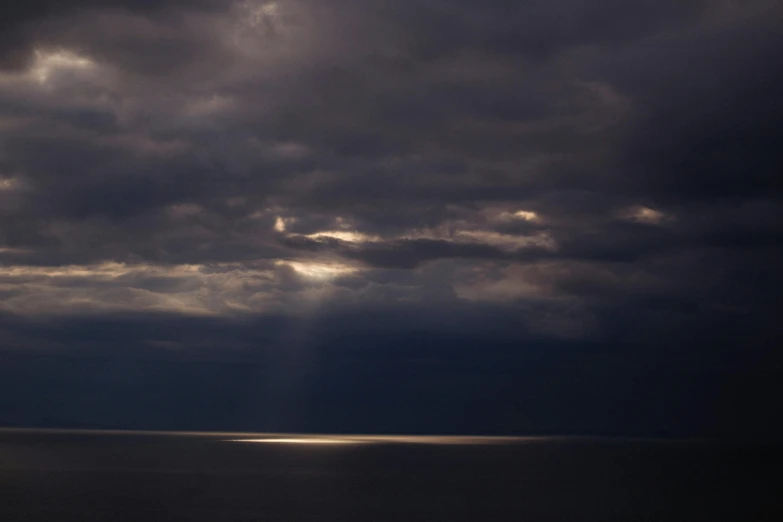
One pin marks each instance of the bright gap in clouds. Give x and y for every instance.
(319, 271)
(645, 215)
(47, 63)
(345, 235)
(8, 184)
(526, 215)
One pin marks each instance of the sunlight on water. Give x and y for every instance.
(388, 439)
(299, 441)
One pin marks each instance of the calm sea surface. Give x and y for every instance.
(77, 476)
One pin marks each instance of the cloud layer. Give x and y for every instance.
(594, 172)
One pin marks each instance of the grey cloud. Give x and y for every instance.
(181, 146)
(21, 22)
(709, 109)
(522, 214)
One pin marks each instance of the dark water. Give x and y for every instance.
(116, 477)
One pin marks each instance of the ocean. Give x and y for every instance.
(118, 476)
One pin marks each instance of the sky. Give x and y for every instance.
(378, 216)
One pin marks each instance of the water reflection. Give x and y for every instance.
(387, 439)
(299, 441)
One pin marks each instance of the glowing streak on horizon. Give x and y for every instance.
(299, 441)
(392, 439)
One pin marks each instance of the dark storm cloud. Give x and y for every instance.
(395, 379)
(554, 172)
(709, 110)
(409, 253)
(526, 103)
(21, 21)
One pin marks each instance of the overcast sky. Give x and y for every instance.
(495, 216)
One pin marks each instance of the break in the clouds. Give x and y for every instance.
(593, 171)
